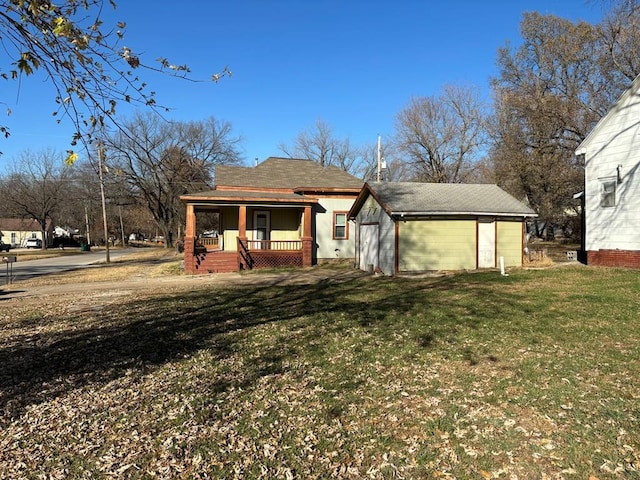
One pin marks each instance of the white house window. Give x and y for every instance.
(608, 193)
(340, 226)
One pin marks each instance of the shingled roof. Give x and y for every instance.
(19, 224)
(286, 173)
(423, 199)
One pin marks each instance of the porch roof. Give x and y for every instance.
(246, 197)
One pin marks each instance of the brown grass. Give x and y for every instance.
(152, 262)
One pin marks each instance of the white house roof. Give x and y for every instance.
(632, 90)
(425, 199)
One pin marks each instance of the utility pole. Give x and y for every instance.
(379, 160)
(121, 225)
(86, 220)
(104, 205)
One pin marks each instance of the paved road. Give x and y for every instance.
(34, 268)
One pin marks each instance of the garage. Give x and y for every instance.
(420, 227)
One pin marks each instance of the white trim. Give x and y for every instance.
(267, 214)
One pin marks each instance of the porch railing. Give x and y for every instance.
(277, 245)
(209, 243)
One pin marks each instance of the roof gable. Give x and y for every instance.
(423, 199)
(286, 173)
(620, 104)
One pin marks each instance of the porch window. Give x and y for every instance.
(608, 193)
(340, 226)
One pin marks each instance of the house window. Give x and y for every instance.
(608, 193)
(340, 226)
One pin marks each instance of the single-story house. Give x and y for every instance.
(16, 231)
(611, 196)
(406, 227)
(281, 212)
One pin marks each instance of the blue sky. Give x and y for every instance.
(353, 63)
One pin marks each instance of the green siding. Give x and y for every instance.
(437, 245)
(229, 228)
(509, 242)
(285, 224)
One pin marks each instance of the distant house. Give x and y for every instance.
(612, 185)
(282, 212)
(17, 231)
(418, 227)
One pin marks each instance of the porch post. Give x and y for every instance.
(190, 230)
(242, 233)
(307, 239)
(189, 240)
(242, 222)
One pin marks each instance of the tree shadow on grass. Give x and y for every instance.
(139, 336)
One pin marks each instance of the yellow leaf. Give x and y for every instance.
(71, 157)
(485, 474)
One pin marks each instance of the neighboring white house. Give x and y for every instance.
(16, 231)
(612, 184)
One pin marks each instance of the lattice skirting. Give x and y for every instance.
(276, 259)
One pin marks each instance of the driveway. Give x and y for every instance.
(20, 271)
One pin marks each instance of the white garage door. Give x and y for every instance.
(368, 246)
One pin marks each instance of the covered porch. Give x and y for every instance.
(229, 231)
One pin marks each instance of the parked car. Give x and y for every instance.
(34, 243)
(4, 246)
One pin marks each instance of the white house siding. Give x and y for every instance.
(615, 142)
(437, 245)
(509, 242)
(18, 238)
(326, 246)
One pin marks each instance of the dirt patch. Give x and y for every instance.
(151, 273)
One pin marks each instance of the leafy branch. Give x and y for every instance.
(89, 69)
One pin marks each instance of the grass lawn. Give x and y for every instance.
(533, 375)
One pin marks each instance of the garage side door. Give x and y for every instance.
(368, 246)
(486, 244)
(437, 245)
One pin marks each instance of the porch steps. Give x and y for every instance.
(219, 262)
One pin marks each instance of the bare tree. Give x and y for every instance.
(620, 36)
(320, 145)
(393, 169)
(441, 137)
(160, 161)
(81, 200)
(549, 94)
(83, 60)
(36, 188)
